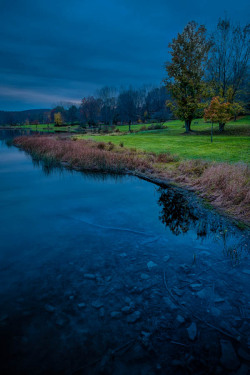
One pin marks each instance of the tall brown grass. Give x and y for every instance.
(227, 186)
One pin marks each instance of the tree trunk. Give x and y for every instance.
(221, 127)
(235, 118)
(188, 125)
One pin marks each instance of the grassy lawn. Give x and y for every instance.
(232, 146)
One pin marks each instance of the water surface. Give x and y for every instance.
(106, 274)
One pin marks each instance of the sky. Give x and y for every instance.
(58, 51)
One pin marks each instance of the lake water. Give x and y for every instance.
(108, 274)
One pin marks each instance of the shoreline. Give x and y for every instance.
(83, 155)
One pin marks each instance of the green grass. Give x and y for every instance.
(232, 146)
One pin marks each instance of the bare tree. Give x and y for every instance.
(229, 58)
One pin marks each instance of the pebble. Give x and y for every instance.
(192, 331)
(195, 286)
(243, 370)
(166, 258)
(115, 314)
(101, 312)
(228, 358)
(97, 304)
(151, 265)
(127, 309)
(81, 305)
(243, 354)
(134, 317)
(180, 319)
(89, 276)
(49, 308)
(144, 276)
(247, 272)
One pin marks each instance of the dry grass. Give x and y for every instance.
(227, 186)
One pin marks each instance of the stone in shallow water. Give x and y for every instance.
(180, 319)
(89, 276)
(166, 258)
(127, 309)
(144, 276)
(97, 304)
(195, 286)
(243, 354)
(192, 331)
(49, 308)
(115, 314)
(81, 305)
(247, 272)
(151, 265)
(243, 370)
(228, 358)
(134, 317)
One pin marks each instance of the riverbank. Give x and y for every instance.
(226, 186)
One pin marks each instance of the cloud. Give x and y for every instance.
(69, 49)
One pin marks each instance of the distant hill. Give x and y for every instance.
(19, 117)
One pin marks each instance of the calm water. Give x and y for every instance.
(106, 275)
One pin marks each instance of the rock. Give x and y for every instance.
(151, 265)
(243, 354)
(3, 317)
(144, 276)
(101, 312)
(180, 319)
(61, 321)
(134, 317)
(243, 370)
(192, 331)
(81, 305)
(195, 287)
(127, 309)
(166, 258)
(185, 268)
(128, 300)
(50, 308)
(115, 314)
(215, 312)
(71, 298)
(246, 272)
(123, 255)
(219, 300)
(89, 276)
(228, 358)
(178, 292)
(169, 303)
(97, 304)
(202, 294)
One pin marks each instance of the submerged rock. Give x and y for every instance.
(127, 309)
(134, 317)
(144, 276)
(115, 314)
(89, 276)
(50, 308)
(97, 304)
(166, 258)
(101, 312)
(192, 331)
(81, 305)
(228, 358)
(151, 265)
(180, 319)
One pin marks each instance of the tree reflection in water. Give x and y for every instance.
(180, 215)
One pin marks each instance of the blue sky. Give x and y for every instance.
(59, 51)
